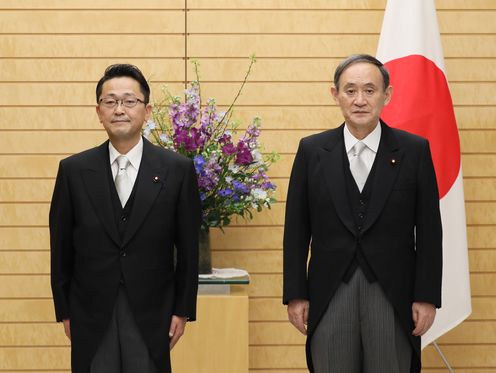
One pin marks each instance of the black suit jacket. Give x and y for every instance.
(401, 237)
(88, 257)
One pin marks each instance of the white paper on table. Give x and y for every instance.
(225, 273)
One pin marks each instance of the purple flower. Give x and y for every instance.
(229, 149)
(240, 187)
(225, 138)
(209, 177)
(207, 181)
(186, 114)
(225, 192)
(252, 133)
(208, 118)
(198, 137)
(199, 162)
(253, 129)
(243, 156)
(180, 136)
(268, 185)
(260, 175)
(187, 139)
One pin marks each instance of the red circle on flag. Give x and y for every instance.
(421, 104)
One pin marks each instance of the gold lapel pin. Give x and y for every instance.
(156, 179)
(393, 162)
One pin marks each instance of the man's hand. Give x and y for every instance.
(176, 330)
(67, 328)
(423, 315)
(298, 314)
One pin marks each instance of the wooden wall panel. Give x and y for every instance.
(92, 21)
(321, 70)
(85, 46)
(322, 46)
(303, 21)
(79, 70)
(29, 165)
(35, 358)
(35, 190)
(479, 165)
(44, 334)
(324, 4)
(61, 94)
(18, 239)
(90, 4)
(285, 21)
(34, 311)
(289, 46)
(54, 51)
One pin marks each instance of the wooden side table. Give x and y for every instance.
(217, 342)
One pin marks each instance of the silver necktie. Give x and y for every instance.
(123, 182)
(358, 167)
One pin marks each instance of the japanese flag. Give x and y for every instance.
(410, 47)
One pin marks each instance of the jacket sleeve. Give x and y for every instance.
(297, 231)
(188, 221)
(429, 250)
(61, 244)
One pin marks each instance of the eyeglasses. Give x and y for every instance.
(112, 103)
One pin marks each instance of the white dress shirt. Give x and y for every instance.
(134, 156)
(372, 141)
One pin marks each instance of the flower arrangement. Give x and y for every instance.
(231, 169)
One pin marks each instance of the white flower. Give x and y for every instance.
(258, 193)
(150, 124)
(146, 133)
(229, 179)
(234, 168)
(164, 137)
(257, 156)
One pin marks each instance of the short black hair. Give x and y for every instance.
(123, 69)
(358, 58)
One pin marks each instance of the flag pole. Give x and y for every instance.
(436, 346)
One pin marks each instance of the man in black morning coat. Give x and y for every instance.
(370, 213)
(113, 228)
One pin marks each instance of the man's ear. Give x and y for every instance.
(389, 94)
(97, 108)
(334, 93)
(148, 111)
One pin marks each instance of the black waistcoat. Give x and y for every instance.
(359, 203)
(121, 214)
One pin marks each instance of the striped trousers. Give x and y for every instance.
(359, 332)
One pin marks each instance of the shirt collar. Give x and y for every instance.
(372, 140)
(134, 155)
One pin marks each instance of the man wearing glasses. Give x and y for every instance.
(116, 214)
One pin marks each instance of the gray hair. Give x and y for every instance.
(361, 58)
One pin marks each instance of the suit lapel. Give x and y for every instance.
(151, 179)
(96, 182)
(331, 164)
(388, 164)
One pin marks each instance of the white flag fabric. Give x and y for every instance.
(410, 47)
